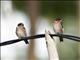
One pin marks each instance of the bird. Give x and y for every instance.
(21, 32)
(58, 27)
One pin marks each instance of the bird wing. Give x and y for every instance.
(25, 31)
(16, 31)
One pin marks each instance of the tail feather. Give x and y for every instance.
(61, 39)
(26, 41)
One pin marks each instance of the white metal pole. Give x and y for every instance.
(51, 47)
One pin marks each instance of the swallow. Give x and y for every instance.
(58, 27)
(21, 32)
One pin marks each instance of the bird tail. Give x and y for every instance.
(26, 41)
(61, 39)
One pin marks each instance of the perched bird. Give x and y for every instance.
(21, 32)
(58, 27)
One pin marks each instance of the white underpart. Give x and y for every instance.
(57, 27)
(21, 32)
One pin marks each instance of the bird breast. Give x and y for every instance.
(21, 33)
(57, 28)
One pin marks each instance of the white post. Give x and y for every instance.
(51, 47)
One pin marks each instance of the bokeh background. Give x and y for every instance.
(38, 16)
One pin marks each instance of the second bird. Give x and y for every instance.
(58, 28)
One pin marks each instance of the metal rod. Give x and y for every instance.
(70, 37)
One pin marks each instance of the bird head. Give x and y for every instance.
(57, 20)
(20, 24)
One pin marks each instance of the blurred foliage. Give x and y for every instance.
(20, 5)
(58, 8)
(51, 8)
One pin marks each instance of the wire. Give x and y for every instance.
(70, 37)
